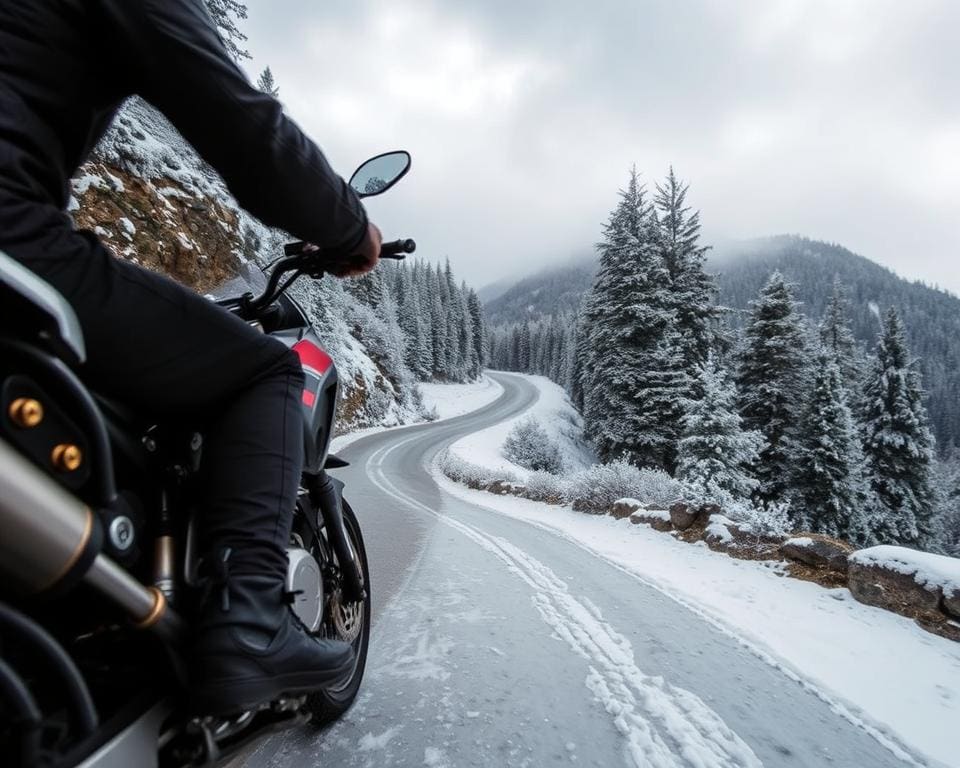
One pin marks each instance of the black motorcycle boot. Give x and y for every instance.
(251, 649)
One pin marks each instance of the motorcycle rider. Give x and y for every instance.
(65, 67)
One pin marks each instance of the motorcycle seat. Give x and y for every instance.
(29, 304)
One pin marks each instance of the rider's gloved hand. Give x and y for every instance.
(365, 259)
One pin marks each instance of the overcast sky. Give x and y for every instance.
(835, 119)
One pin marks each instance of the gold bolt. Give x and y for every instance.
(66, 457)
(26, 412)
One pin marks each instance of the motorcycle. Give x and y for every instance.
(98, 546)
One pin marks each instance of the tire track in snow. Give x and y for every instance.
(664, 726)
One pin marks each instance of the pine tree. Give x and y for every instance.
(692, 292)
(523, 349)
(661, 396)
(267, 84)
(225, 14)
(475, 309)
(625, 315)
(828, 487)
(771, 383)
(837, 338)
(438, 325)
(715, 453)
(898, 444)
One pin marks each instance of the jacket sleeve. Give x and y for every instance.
(180, 65)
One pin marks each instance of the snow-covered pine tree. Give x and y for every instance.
(898, 444)
(225, 15)
(417, 356)
(692, 290)
(828, 491)
(661, 397)
(837, 338)
(578, 378)
(454, 314)
(716, 454)
(438, 324)
(946, 480)
(267, 84)
(478, 325)
(470, 362)
(523, 349)
(626, 314)
(771, 383)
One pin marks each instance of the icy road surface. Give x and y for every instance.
(496, 643)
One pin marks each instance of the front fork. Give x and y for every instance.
(326, 493)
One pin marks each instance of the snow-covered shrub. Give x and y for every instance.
(544, 486)
(770, 520)
(472, 475)
(529, 446)
(602, 484)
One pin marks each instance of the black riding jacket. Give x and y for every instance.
(67, 65)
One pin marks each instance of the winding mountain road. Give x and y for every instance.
(496, 643)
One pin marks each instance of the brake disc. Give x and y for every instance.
(347, 617)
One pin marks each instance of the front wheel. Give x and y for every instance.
(349, 622)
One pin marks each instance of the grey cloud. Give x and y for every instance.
(835, 120)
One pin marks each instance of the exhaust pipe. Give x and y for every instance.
(51, 539)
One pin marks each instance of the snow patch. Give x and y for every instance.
(370, 743)
(447, 401)
(718, 529)
(799, 541)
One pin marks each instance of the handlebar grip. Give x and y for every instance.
(397, 249)
(294, 249)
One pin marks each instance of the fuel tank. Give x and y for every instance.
(319, 397)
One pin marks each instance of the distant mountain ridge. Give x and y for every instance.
(931, 316)
(555, 290)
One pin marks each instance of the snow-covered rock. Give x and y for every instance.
(684, 515)
(901, 580)
(624, 508)
(928, 570)
(658, 519)
(818, 551)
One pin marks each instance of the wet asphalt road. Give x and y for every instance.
(496, 643)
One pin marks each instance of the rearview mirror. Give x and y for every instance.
(380, 173)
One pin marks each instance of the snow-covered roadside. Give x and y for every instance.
(446, 400)
(552, 411)
(874, 667)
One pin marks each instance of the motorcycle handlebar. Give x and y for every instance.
(394, 249)
(397, 249)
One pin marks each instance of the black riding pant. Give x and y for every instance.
(169, 352)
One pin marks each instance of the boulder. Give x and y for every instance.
(500, 487)
(658, 519)
(817, 550)
(951, 603)
(875, 585)
(683, 515)
(623, 508)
